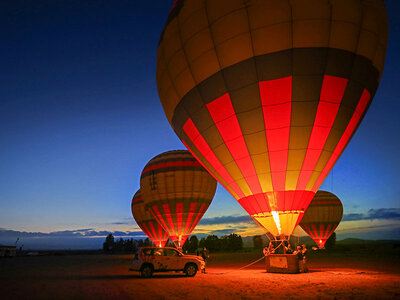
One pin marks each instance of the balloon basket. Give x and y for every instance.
(282, 263)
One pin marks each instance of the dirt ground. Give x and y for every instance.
(107, 277)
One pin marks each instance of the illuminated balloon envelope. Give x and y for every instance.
(147, 222)
(177, 190)
(266, 94)
(322, 217)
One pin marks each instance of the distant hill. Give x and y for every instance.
(248, 241)
(354, 241)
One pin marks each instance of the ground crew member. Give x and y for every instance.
(304, 253)
(299, 254)
(269, 250)
(205, 256)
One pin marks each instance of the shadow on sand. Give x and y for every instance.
(107, 277)
(300, 273)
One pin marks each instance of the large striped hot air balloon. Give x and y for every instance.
(322, 217)
(177, 190)
(147, 222)
(267, 94)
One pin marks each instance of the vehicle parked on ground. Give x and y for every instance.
(8, 251)
(149, 260)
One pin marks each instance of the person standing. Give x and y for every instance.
(299, 255)
(205, 256)
(304, 253)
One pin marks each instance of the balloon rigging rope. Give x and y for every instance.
(250, 264)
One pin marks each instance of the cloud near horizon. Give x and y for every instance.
(223, 232)
(226, 220)
(78, 233)
(374, 214)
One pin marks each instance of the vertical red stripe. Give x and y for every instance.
(309, 231)
(321, 231)
(332, 230)
(167, 213)
(314, 232)
(147, 231)
(156, 213)
(161, 233)
(331, 96)
(314, 229)
(199, 215)
(276, 96)
(153, 230)
(190, 217)
(305, 228)
(224, 117)
(144, 228)
(361, 106)
(194, 135)
(179, 217)
(327, 231)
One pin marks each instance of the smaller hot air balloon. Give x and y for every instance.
(177, 190)
(322, 217)
(147, 222)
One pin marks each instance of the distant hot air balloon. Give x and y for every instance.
(267, 94)
(147, 222)
(177, 190)
(322, 217)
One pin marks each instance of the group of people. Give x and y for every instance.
(300, 252)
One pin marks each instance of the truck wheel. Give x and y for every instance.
(190, 270)
(147, 271)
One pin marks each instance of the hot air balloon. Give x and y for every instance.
(267, 94)
(322, 217)
(177, 190)
(147, 222)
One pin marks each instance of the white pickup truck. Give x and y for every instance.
(149, 260)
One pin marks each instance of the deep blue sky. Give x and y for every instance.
(80, 117)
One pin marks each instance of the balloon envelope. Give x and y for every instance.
(177, 190)
(266, 94)
(147, 222)
(322, 217)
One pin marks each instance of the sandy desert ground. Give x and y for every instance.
(107, 277)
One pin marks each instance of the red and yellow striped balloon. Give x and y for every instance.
(147, 222)
(322, 217)
(267, 94)
(177, 190)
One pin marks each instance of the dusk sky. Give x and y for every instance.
(80, 117)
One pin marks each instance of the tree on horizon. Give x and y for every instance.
(109, 244)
